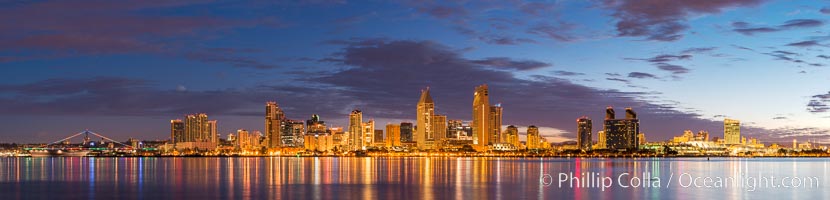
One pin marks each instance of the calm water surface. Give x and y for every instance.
(405, 178)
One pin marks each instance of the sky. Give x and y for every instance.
(124, 69)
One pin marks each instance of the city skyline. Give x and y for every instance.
(682, 66)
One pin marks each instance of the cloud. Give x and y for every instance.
(567, 73)
(619, 80)
(808, 43)
(507, 63)
(663, 20)
(641, 75)
(559, 32)
(818, 103)
(674, 69)
(746, 29)
(825, 10)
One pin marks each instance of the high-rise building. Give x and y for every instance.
(453, 128)
(426, 113)
(439, 130)
(211, 132)
(481, 116)
(176, 130)
(406, 132)
(368, 133)
(393, 135)
(641, 138)
(511, 136)
(601, 140)
(379, 139)
(495, 124)
(315, 125)
(533, 138)
(732, 131)
(273, 124)
(355, 130)
(198, 129)
(291, 133)
(583, 133)
(621, 134)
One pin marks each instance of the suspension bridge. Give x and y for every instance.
(64, 147)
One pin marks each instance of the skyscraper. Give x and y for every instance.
(406, 132)
(426, 113)
(621, 134)
(210, 134)
(583, 133)
(355, 130)
(511, 136)
(197, 129)
(273, 122)
(368, 133)
(732, 131)
(315, 125)
(533, 137)
(439, 130)
(481, 116)
(601, 140)
(176, 130)
(291, 133)
(495, 124)
(393, 135)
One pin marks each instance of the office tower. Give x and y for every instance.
(511, 136)
(583, 133)
(732, 131)
(197, 128)
(533, 137)
(621, 134)
(315, 125)
(454, 128)
(368, 133)
(601, 140)
(439, 130)
(243, 139)
(393, 135)
(481, 116)
(176, 130)
(495, 124)
(379, 139)
(291, 132)
(211, 135)
(355, 138)
(406, 132)
(426, 113)
(273, 124)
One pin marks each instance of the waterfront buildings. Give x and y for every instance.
(406, 132)
(732, 131)
(425, 116)
(176, 130)
(481, 116)
(511, 136)
(273, 121)
(393, 135)
(355, 138)
(583, 133)
(495, 124)
(533, 138)
(621, 134)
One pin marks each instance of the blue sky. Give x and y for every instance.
(126, 68)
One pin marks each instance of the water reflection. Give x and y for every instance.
(386, 178)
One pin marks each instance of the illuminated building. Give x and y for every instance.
(511, 136)
(406, 132)
(315, 125)
(495, 124)
(197, 128)
(481, 116)
(621, 134)
(601, 140)
(533, 138)
(583, 132)
(424, 134)
(368, 133)
(732, 131)
(641, 138)
(379, 139)
(211, 132)
(393, 135)
(273, 122)
(439, 130)
(292, 133)
(355, 137)
(176, 130)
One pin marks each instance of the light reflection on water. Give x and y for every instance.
(385, 178)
